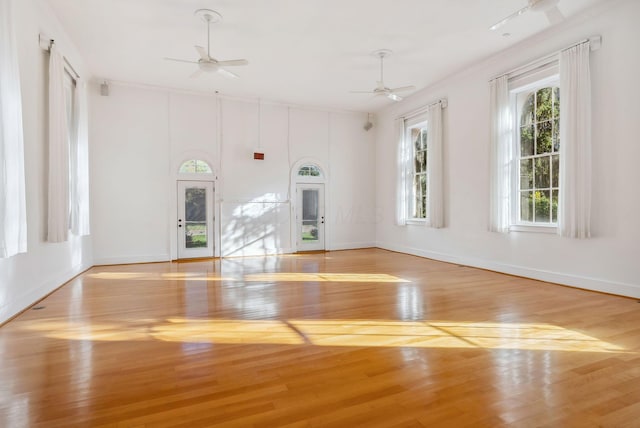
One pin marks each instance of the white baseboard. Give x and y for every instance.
(351, 246)
(127, 260)
(587, 283)
(37, 293)
(265, 252)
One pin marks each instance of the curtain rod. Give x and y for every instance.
(595, 42)
(442, 101)
(47, 47)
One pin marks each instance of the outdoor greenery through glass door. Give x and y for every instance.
(310, 214)
(195, 209)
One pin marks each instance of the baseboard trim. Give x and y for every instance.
(576, 281)
(27, 300)
(351, 246)
(265, 252)
(128, 260)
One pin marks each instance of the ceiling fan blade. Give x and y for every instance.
(508, 18)
(227, 73)
(233, 62)
(403, 88)
(181, 60)
(196, 74)
(361, 92)
(394, 97)
(202, 52)
(554, 15)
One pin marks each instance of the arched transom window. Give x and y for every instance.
(195, 166)
(310, 170)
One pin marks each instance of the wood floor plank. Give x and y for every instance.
(340, 339)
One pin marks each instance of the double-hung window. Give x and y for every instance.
(415, 135)
(538, 155)
(420, 167)
(540, 177)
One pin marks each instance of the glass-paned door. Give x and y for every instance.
(195, 219)
(310, 217)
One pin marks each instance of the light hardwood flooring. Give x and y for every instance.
(362, 338)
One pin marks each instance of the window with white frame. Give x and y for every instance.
(416, 142)
(541, 151)
(536, 154)
(69, 103)
(310, 170)
(195, 166)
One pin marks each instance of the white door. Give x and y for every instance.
(195, 219)
(310, 217)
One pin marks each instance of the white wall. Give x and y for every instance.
(609, 261)
(141, 135)
(129, 168)
(26, 278)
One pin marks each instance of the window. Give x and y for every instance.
(416, 141)
(13, 212)
(69, 103)
(538, 155)
(537, 181)
(420, 190)
(195, 166)
(309, 170)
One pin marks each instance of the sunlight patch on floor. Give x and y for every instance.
(261, 277)
(323, 277)
(357, 333)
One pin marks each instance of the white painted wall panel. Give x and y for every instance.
(130, 175)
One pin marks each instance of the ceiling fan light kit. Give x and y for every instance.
(206, 63)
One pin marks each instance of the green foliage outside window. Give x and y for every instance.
(539, 164)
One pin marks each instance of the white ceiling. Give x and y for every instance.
(308, 52)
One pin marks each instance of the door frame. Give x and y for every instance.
(321, 244)
(211, 231)
(172, 188)
(295, 179)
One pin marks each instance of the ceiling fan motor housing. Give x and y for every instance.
(207, 66)
(542, 5)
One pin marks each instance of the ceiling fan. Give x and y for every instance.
(549, 7)
(381, 89)
(206, 63)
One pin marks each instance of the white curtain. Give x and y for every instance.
(574, 212)
(401, 173)
(79, 155)
(435, 173)
(500, 156)
(13, 212)
(58, 217)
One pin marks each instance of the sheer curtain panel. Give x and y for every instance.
(435, 181)
(500, 157)
(80, 163)
(401, 173)
(13, 212)
(574, 213)
(58, 216)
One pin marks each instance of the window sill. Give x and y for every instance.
(538, 228)
(415, 222)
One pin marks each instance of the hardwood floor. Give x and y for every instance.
(363, 338)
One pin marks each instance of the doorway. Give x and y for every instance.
(195, 219)
(310, 217)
